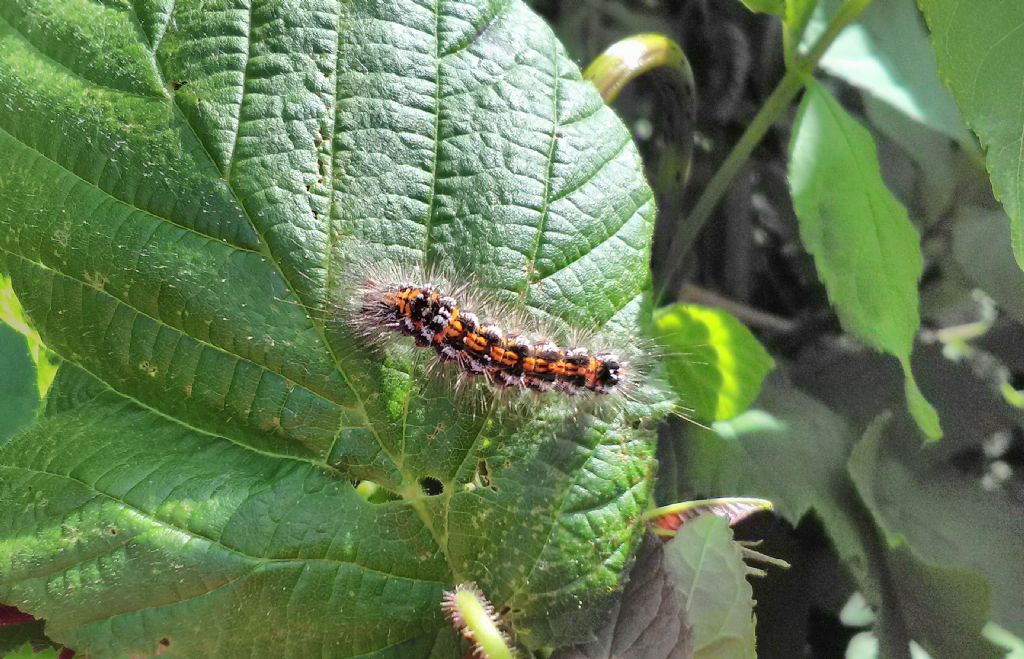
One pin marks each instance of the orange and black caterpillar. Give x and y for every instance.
(435, 319)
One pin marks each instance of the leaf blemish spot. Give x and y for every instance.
(482, 476)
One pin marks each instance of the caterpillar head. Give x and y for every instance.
(609, 373)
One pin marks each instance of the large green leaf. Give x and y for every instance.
(156, 540)
(979, 48)
(866, 251)
(184, 184)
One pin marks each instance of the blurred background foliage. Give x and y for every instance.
(896, 544)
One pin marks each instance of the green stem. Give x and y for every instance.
(776, 104)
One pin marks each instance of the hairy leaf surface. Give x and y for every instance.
(185, 186)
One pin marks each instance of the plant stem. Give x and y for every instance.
(748, 315)
(775, 105)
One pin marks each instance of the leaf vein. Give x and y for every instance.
(112, 197)
(64, 67)
(531, 259)
(260, 561)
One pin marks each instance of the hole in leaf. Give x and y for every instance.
(165, 642)
(373, 492)
(112, 531)
(178, 84)
(431, 486)
(482, 477)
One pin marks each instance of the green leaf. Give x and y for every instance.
(886, 54)
(790, 449)
(794, 451)
(44, 361)
(777, 7)
(926, 496)
(26, 651)
(650, 620)
(945, 519)
(709, 573)
(981, 231)
(945, 606)
(979, 49)
(216, 531)
(18, 395)
(866, 251)
(713, 363)
(184, 187)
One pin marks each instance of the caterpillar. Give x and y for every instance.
(475, 619)
(434, 314)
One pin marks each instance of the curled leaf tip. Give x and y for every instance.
(666, 520)
(634, 56)
(474, 617)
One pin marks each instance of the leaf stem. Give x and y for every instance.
(774, 106)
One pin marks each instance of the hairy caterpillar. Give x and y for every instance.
(479, 337)
(475, 619)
